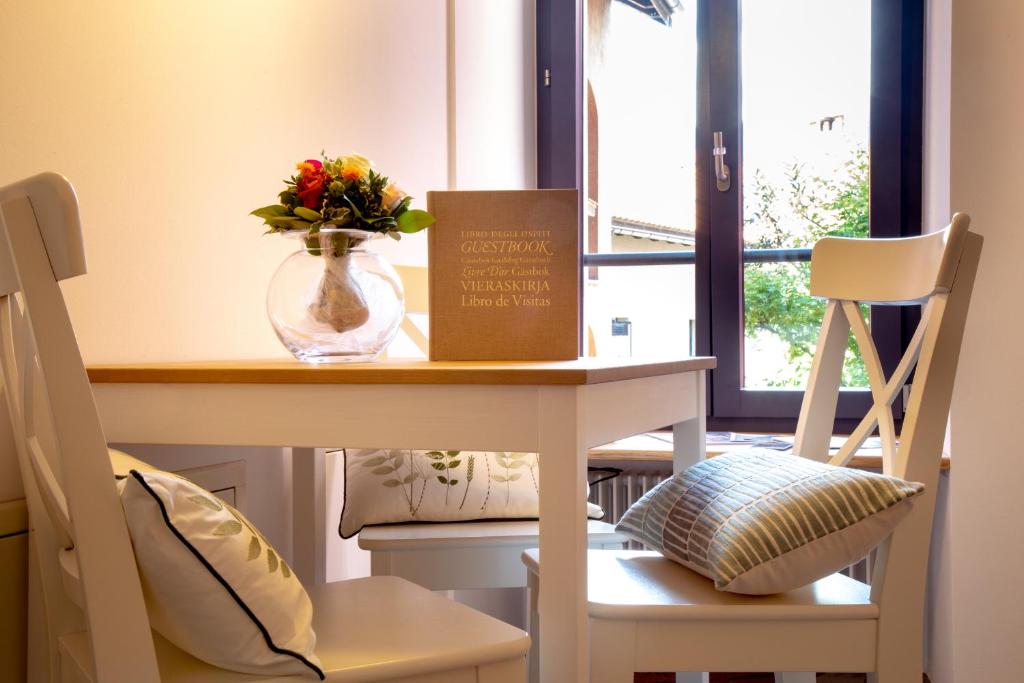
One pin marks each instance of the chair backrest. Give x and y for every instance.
(81, 545)
(936, 271)
(417, 301)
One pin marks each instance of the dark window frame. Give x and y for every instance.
(897, 73)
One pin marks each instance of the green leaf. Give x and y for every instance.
(454, 463)
(355, 209)
(308, 214)
(414, 220)
(386, 469)
(288, 223)
(285, 571)
(410, 478)
(208, 503)
(272, 211)
(515, 477)
(439, 466)
(284, 220)
(228, 528)
(434, 455)
(271, 561)
(451, 453)
(396, 236)
(443, 480)
(254, 549)
(402, 207)
(498, 477)
(392, 483)
(374, 461)
(453, 482)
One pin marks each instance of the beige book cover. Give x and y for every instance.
(504, 275)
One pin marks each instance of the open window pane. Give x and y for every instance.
(806, 97)
(641, 108)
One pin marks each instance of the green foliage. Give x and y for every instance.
(414, 220)
(796, 215)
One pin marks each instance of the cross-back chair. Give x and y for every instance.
(96, 624)
(650, 614)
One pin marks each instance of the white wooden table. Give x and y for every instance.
(558, 410)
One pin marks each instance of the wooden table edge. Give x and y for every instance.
(470, 372)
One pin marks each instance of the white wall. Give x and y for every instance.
(987, 155)
(936, 214)
(493, 94)
(174, 119)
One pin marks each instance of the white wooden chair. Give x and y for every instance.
(97, 627)
(464, 556)
(650, 614)
(457, 556)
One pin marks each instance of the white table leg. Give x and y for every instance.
(564, 654)
(689, 446)
(689, 439)
(309, 513)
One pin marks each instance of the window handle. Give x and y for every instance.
(722, 179)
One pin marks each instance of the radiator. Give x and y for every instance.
(615, 495)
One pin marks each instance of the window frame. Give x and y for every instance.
(896, 143)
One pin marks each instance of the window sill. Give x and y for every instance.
(657, 447)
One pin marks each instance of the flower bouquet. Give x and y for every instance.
(335, 206)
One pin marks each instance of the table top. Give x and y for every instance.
(289, 371)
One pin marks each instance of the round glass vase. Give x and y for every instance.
(334, 300)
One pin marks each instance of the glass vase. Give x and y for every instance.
(334, 300)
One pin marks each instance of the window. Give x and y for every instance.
(818, 105)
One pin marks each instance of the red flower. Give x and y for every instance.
(311, 183)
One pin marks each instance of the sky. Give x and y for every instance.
(802, 60)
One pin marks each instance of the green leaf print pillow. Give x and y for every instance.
(392, 486)
(213, 584)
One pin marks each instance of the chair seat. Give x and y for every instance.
(512, 533)
(644, 585)
(371, 629)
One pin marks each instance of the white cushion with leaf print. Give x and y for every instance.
(392, 486)
(213, 584)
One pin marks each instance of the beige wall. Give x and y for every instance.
(174, 119)
(987, 158)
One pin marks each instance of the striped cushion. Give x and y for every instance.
(760, 522)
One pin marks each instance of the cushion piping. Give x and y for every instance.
(220, 579)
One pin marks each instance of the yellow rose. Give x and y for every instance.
(392, 197)
(354, 167)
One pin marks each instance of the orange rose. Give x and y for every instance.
(311, 183)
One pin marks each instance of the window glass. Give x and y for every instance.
(640, 121)
(805, 78)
